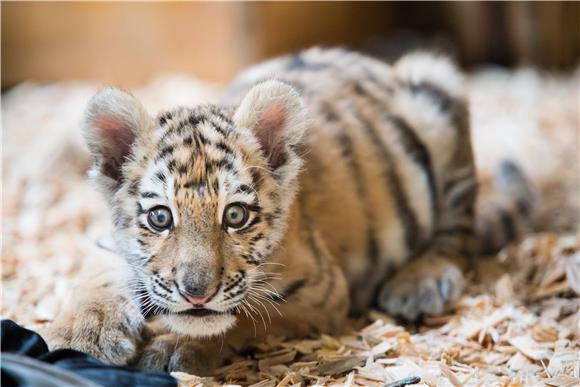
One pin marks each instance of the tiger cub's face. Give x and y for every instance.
(199, 198)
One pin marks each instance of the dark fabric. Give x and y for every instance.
(21, 341)
(61, 366)
(23, 371)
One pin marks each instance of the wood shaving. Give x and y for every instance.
(516, 325)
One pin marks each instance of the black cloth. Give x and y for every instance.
(26, 361)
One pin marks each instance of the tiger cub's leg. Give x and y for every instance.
(435, 278)
(431, 98)
(163, 350)
(100, 318)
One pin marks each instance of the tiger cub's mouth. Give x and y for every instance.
(202, 312)
(194, 312)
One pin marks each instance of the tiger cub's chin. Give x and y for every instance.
(196, 326)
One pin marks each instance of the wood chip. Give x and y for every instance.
(339, 364)
(282, 358)
(563, 381)
(531, 348)
(450, 376)
(404, 382)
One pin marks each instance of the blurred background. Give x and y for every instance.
(128, 43)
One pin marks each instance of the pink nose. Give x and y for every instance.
(199, 300)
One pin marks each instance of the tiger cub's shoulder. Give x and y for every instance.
(319, 73)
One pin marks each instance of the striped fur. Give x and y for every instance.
(359, 178)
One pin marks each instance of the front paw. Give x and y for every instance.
(168, 352)
(423, 287)
(107, 329)
(192, 358)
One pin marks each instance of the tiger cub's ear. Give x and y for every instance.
(276, 115)
(114, 120)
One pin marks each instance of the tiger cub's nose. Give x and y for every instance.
(196, 296)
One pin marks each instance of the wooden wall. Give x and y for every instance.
(127, 43)
(123, 42)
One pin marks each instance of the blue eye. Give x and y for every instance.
(160, 218)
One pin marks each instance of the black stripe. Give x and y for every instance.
(192, 184)
(140, 210)
(249, 258)
(212, 165)
(392, 180)
(163, 286)
(217, 127)
(508, 224)
(250, 226)
(270, 219)
(236, 281)
(463, 230)
(188, 123)
(443, 100)
(329, 288)
(165, 151)
(154, 291)
(216, 186)
(171, 164)
(133, 188)
(143, 227)
(254, 207)
(316, 253)
(194, 120)
(149, 194)
(257, 238)
(347, 152)
(224, 148)
(420, 155)
(160, 176)
(297, 62)
(200, 140)
(199, 187)
(466, 196)
(163, 118)
(379, 81)
(487, 236)
(243, 188)
(255, 221)
(182, 169)
(413, 146)
(218, 111)
(292, 288)
(256, 178)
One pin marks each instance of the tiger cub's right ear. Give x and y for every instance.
(114, 121)
(276, 115)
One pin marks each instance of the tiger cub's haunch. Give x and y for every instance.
(326, 179)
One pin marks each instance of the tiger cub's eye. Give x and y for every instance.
(235, 215)
(160, 218)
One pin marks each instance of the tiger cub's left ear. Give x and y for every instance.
(276, 115)
(114, 122)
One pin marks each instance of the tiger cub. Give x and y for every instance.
(326, 182)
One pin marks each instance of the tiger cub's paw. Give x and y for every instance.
(170, 353)
(108, 330)
(423, 287)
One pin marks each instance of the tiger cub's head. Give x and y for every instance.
(199, 197)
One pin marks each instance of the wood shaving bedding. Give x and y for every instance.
(517, 324)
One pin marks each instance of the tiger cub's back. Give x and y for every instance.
(380, 144)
